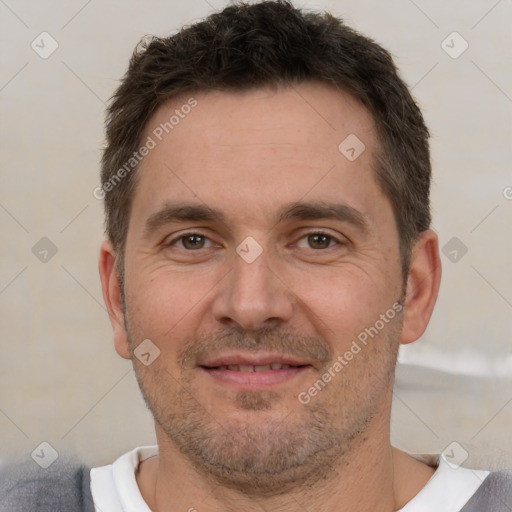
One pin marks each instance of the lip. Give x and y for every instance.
(253, 381)
(254, 359)
(215, 367)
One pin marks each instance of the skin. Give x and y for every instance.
(248, 155)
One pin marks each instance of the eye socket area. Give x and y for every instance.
(317, 240)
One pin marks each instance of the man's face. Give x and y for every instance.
(258, 272)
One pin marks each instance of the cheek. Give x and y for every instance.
(343, 302)
(164, 304)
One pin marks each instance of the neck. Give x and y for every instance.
(374, 476)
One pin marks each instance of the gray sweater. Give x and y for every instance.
(65, 487)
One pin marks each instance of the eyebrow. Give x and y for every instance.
(324, 210)
(182, 212)
(317, 210)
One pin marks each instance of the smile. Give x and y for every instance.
(253, 368)
(245, 377)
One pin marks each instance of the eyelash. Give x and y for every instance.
(195, 233)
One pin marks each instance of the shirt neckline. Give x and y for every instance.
(448, 490)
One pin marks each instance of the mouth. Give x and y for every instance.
(252, 373)
(254, 368)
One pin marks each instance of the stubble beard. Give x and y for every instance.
(276, 453)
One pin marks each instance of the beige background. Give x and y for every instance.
(60, 379)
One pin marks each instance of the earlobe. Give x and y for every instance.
(112, 297)
(422, 286)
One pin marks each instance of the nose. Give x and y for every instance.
(253, 296)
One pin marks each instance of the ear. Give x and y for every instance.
(422, 286)
(112, 297)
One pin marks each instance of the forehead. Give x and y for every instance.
(257, 148)
(291, 114)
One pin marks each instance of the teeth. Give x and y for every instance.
(251, 368)
(262, 368)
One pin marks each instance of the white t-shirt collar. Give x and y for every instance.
(114, 488)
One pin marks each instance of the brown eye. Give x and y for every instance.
(319, 241)
(193, 241)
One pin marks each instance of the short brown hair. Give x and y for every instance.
(271, 43)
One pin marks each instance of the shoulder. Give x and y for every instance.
(63, 486)
(494, 495)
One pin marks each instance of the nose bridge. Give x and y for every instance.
(253, 278)
(252, 296)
